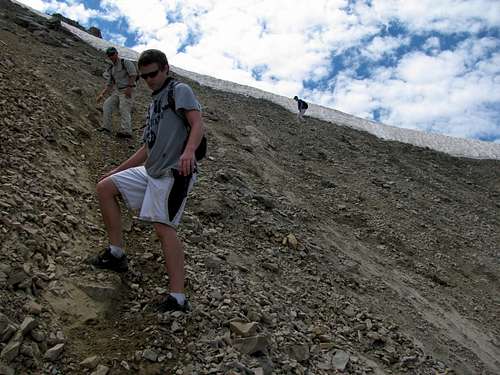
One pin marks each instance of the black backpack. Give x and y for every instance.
(201, 151)
(304, 104)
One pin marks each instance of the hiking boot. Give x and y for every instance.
(123, 135)
(103, 130)
(171, 304)
(106, 260)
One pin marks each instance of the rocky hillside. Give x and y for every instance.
(310, 248)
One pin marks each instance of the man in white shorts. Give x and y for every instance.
(157, 178)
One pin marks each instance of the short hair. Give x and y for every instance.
(151, 56)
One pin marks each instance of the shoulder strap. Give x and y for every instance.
(170, 93)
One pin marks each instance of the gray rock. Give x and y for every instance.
(17, 277)
(340, 360)
(243, 328)
(4, 322)
(213, 263)
(8, 332)
(6, 370)
(299, 352)
(10, 351)
(38, 335)
(101, 370)
(27, 325)
(30, 349)
(349, 311)
(252, 345)
(266, 201)
(150, 355)
(90, 362)
(33, 308)
(77, 90)
(103, 291)
(54, 353)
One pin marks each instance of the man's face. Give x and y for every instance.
(113, 57)
(153, 75)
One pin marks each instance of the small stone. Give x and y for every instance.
(60, 338)
(33, 308)
(6, 370)
(76, 90)
(10, 351)
(213, 263)
(340, 360)
(374, 336)
(4, 322)
(38, 335)
(8, 332)
(349, 311)
(176, 327)
(243, 329)
(90, 362)
(101, 370)
(299, 352)
(150, 355)
(252, 345)
(27, 325)
(291, 241)
(54, 353)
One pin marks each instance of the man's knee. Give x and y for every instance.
(106, 188)
(165, 232)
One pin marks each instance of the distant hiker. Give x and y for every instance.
(301, 106)
(158, 177)
(122, 77)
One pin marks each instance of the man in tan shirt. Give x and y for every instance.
(121, 82)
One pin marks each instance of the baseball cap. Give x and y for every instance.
(111, 51)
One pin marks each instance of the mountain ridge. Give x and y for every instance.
(454, 146)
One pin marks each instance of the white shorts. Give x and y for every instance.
(159, 200)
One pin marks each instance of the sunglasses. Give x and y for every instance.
(153, 74)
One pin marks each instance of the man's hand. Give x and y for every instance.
(128, 92)
(187, 162)
(99, 97)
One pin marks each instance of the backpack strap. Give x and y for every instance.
(171, 101)
(201, 150)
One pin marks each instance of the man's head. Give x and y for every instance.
(295, 97)
(153, 68)
(112, 54)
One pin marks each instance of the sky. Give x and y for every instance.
(429, 65)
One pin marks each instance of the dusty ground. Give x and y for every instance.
(395, 270)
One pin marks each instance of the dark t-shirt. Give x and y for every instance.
(301, 104)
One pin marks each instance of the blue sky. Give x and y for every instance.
(419, 64)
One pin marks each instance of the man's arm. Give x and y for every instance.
(132, 74)
(135, 160)
(104, 92)
(187, 160)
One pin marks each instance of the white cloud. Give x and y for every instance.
(432, 45)
(432, 93)
(381, 46)
(117, 39)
